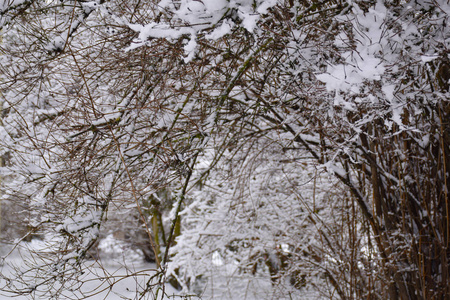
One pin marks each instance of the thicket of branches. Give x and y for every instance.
(302, 141)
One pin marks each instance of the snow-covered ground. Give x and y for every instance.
(115, 276)
(97, 282)
(120, 273)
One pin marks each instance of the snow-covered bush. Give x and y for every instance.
(301, 143)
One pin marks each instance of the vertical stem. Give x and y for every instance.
(444, 255)
(155, 228)
(175, 228)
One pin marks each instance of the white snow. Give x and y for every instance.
(125, 273)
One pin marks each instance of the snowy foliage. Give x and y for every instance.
(291, 147)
